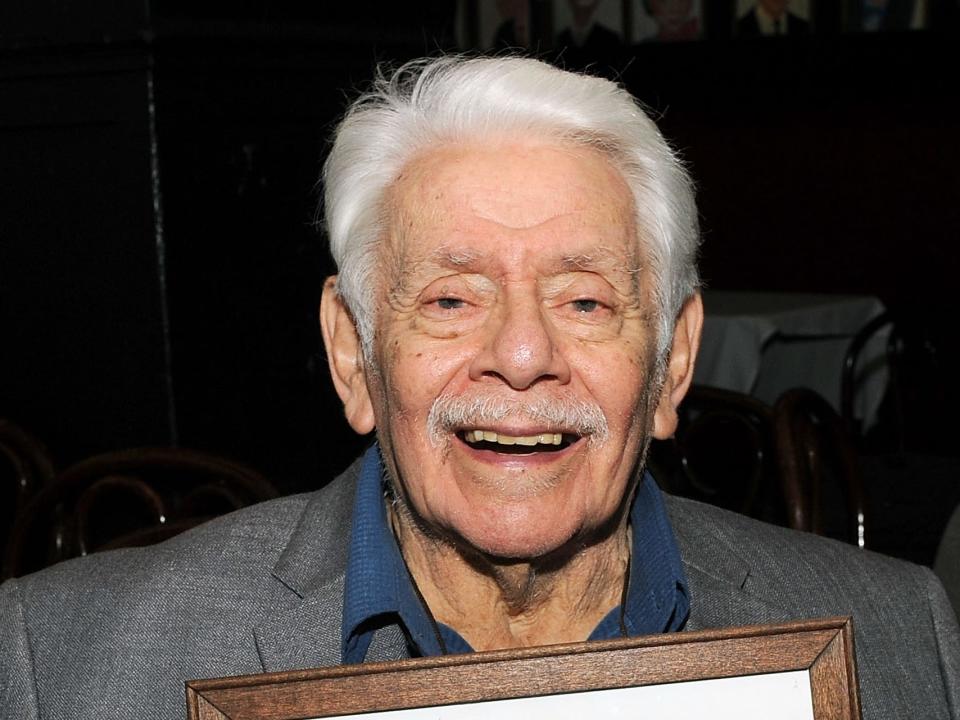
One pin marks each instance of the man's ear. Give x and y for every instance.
(345, 357)
(679, 372)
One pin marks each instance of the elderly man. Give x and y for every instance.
(516, 315)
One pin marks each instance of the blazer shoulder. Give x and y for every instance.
(744, 571)
(184, 608)
(708, 535)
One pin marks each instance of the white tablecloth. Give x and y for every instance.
(762, 344)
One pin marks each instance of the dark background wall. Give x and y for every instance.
(159, 264)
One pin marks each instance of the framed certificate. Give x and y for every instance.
(798, 671)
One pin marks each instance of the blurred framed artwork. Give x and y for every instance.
(758, 18)
(667, 20)
(589, 33)
(885, 15)
(803, 670)
(502, 25)
(577, 33)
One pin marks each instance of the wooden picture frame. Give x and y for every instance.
(821, 650)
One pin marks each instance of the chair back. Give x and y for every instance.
(851, 369)
(127, 498)
(819, 469)
(722, 453)
(25, 467)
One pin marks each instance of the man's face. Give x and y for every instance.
(516, 314)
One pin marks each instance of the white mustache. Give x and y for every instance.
(450, 412)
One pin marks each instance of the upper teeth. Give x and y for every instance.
(490, 436)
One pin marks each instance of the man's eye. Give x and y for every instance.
(449, 303)
(586, 306)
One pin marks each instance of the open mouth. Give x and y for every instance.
(517, 444)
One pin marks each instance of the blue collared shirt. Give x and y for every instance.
(379, 591)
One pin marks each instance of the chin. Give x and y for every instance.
(516, 550)
(521, 540)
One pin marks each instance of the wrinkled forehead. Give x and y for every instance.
(452, 199)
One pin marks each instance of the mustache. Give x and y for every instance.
(452, 412)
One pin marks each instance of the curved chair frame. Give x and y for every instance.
(69, 498)
(807, 429)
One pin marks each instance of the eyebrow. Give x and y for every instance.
(447, 257)
(602, 258)
(583, 261)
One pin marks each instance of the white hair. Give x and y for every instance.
(449, 100)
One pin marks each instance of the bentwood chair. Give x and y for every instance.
(819, 468)
(722, 453)
(25, 467)
(851, 368)
(127, 498)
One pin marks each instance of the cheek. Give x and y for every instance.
(618, 381)
(416, 372)
(426, 368)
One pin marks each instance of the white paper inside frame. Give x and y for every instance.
(785, 696)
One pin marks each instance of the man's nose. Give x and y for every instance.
(521, 346)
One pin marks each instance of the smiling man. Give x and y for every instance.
(515, 382)
(520, 357)
(516, 315)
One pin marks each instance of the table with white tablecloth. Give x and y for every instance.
(762, 344)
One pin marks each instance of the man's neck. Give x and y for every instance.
(495, 605)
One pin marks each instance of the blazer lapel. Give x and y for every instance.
(303, 631)
(724, 592)
(717, 603)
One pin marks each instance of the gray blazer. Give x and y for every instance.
(115, 635)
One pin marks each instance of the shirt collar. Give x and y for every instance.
(378, 590)
(657, 597)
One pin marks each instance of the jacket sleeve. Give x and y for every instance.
(18, 689)
(948, 642)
